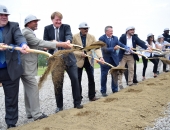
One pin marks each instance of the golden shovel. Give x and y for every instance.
(28, 50)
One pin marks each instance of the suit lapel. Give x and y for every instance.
(88, 40)
(5, 31)
(79, 41)
(125, 40)
(52, 32)
(60, 32)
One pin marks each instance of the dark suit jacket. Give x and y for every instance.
(108, 52)
(135, 41)
(13, 35)
(64, 35)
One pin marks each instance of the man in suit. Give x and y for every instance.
(62, 32)
(29, 63)
(110, 56)
(130, 40)
(10, 65)
(83, 38)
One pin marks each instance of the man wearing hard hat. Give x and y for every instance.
(130, 40)
(30, 67)
(83, 38)
(10, 65)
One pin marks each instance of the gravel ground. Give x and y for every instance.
(47, 98)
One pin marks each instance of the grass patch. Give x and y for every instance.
(96, 65)
(41, 70)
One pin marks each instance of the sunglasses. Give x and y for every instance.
(85, 28)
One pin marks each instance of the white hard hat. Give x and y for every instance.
(166, 29)
(150, 34)
(129, 28)
(3, 10)
(83, 25)
(30, 18)
(160, 36)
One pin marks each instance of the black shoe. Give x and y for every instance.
(78, 106)
(29, 117)
(58, 109)
(41, 117)
(104, 95)
(10, 126)
(135, 81)
(93, 99)
(166, 70)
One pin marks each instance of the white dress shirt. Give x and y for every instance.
(148, 54)
(128, 43)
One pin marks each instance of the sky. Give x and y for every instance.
(147, 16)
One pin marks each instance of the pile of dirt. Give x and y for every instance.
(132, 108)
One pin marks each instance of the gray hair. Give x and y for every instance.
(107, 27)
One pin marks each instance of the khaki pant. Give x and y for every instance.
(130, 62)
(31, 95)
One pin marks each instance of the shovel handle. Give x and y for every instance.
(99, 60)
(74, 45)
(28, 50)
(134, 52)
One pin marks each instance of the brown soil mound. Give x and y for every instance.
(132, 108)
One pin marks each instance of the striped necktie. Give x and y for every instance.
(2, 53)
(109, 41)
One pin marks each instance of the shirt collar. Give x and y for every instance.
(55, 27)
(82, 35)
(128, 38)
(108, 37)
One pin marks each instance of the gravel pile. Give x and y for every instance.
(48, 104)
(162, 123)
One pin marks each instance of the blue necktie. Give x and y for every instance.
(2, 53)
(109, 42)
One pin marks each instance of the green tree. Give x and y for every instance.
(42, 60)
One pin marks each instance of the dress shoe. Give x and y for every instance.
(135, 81)
(41, 117)
(166, 70)
(104, 95)
(29, 117)
(58, 109)
(10, 126)
(78, 106)
(93, 99)
(121, 86)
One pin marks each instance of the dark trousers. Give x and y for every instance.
(164, 65)
(73, 75)
(104, 73)
(90, 74)
(126, 73)
(145, 63)
(11, 89)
